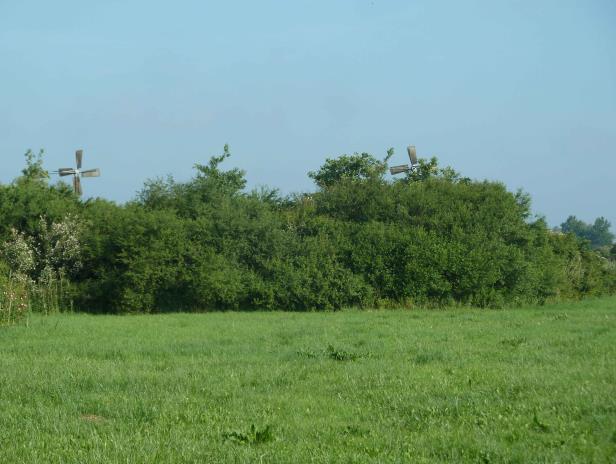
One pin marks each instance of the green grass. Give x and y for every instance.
(521, 385)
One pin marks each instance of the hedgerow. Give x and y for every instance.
(433, 238)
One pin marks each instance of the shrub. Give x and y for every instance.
(432, 238)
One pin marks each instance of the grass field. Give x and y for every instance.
(521, 385)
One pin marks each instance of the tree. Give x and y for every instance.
(356, 167)
(34, 171)
(598, 234)
(211, 186)
(29, 196)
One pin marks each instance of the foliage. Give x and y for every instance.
(34, 171)
(41, 264)
(54, 249)
(598, 233)
(356, 167)
(29, 197)
(19, 254)
(429, 169)
(433, 238)
(254, 436)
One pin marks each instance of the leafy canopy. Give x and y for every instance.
(598, 233)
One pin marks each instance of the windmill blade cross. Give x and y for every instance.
(405, 167)
(77, 173)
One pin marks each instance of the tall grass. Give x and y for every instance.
(14, 299)
(51, 296)
(20, 296)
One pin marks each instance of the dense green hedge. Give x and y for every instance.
(432, 238)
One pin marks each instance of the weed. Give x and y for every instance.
(340, 355)
(235, 436)
(514, 342)
(331, 352)
(254, 436)
(428, 357)
(538, 425)
(356, 431)
(14, 299)
(307, 353)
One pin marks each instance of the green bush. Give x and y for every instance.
(432, 238)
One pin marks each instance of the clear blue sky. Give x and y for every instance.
(518, 91)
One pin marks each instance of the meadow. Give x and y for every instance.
(532, 384)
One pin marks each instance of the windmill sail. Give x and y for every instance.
(77, 185)
(66, 172)
(412, 154)
(91, 173)
(78, 158)
(398, 169)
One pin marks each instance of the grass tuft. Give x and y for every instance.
(338, 354)
(254, 436)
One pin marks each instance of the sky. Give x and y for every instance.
(523, 92)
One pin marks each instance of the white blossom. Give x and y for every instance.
(19, 253)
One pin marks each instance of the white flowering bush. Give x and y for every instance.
(39, 267)
(18, 252)
(59, 247)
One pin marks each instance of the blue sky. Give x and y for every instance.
(518, 91)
